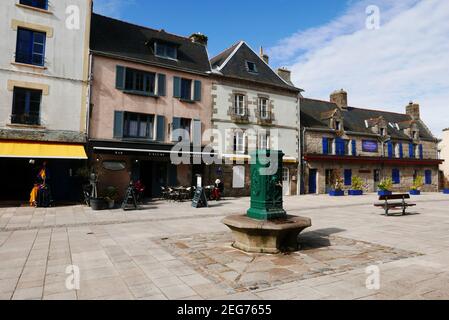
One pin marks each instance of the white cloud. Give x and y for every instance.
(406, 59)
(111, 8)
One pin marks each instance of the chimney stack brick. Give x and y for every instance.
(413, 110)
(340, 98)
(285, 74)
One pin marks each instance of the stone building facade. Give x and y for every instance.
(44, 93)
(254, 107)
(343, 142)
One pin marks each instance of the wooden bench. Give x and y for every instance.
(387, 205)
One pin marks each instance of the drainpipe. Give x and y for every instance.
(89, 96)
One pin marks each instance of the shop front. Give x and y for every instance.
(56, 166)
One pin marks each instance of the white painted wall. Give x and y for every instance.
(444, 147)
(285, 111)
(65, 62)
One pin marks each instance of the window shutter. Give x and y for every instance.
(118, 124)
(421, 152)
(354, 148)
(401, 151)
(428, 176)
(160, 133)
(325, 145)
(120, 78)
(348, 177)
(176, 124)
(411, 154)
(340, 146)
(197, 91)
(161, 85)
(390, 150)
(197, 132)
(176, 87)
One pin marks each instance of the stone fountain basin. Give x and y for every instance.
(267, 236)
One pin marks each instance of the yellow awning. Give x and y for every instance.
(41, 150)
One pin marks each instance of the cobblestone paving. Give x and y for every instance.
(142, 254)
(321, 254)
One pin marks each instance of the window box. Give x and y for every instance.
(384, 193)
(415, 192)
(336, 193)
(355, 192)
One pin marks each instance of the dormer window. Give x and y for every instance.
(40, 4)
(383, 132)
(165, 50)
(337, 125)
(415, 135)
(251, 66)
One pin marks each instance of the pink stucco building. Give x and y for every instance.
(146, 85)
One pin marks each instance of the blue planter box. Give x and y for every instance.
(415, 192)
(355, 192)
(337, 193)
(385, 193)
(446, 191)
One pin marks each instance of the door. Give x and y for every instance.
(376, 179)
(286, 181)
(312, 181)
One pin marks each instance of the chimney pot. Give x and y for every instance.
(264, 56)
(285, 74)
(413, 110)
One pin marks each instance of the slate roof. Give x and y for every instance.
(129, 41)
(236, 67)
(354, 119)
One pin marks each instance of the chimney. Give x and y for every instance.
(340, 98)
(413, 111)
(264, 56)
(199, 38)
(285, 74)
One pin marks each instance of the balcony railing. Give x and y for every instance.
(26, 119)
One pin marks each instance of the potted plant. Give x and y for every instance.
(385, 187)
(446, 185)
(96, 203)
(417, 185)
(356, 187)
(337, 190)
(110, 196)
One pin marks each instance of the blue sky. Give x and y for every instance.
(326, 44)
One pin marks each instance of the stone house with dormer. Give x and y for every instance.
(341, 141)
(254, 107)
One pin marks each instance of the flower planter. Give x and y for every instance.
(97, 204)
(355, 192)
(337, 193)
(446, 191)
(384, 193)
(415, 192)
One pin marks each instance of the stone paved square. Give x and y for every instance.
(172, 251)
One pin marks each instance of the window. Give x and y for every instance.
(26, 106)
(166, 50)
(396, 176)
(239, 142)
(415, 135)
(263, 108)
(383, 131)
(30, 48)
(185, 125)
(41, 4)
(251, 66)
(239, 104)
(417, 152)
(264, 141)
(238, 177)
(140, 81)
(337, 125)
(186, 89)
(139, 126)
(397, 150)
(348, 147)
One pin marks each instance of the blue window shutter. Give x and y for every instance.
(197, 133)
(340, 146)
(401, 151)
(197, 91)
(354, 148)
(120, 78)
(160, 130)
(176, 87)
(161, 85)
(176, 124)
(118, 124)
(390, 150)
(410, 151)
(428, 176)
(421, 152)
(325, 145)
(348, 177)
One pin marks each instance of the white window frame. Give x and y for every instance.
(238, 177)
(263, 108)
(239, 141)
(263, 141)
(239, 104)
